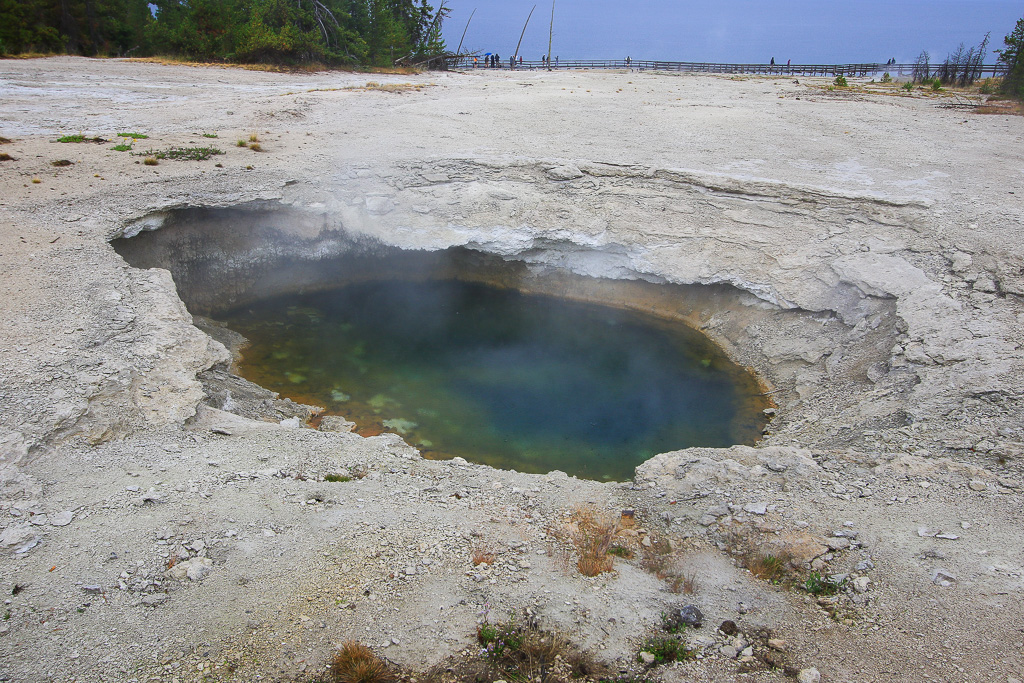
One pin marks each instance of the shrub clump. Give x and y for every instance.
(521, 652)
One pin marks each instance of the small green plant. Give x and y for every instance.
(840, 82)
(242, 143)
(499, 639)
(210, 135)
(666, 649)
(670, 625)
(133, 136)
(886, 78)
(337, 478)
(621, 551)
(7, 615)
(123, 147)
(908, 86)
(937, 85)
(987, 87)
(816, 584)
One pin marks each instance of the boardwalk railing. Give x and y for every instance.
(828, 70)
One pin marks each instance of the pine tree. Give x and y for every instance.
(1013, 57)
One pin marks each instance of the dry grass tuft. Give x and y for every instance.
(1001, 107)
(255, 146)
(683, 583)
(254, 138)
(356, 663)
(593, 537)
(59, 163)
(150, 161)
(397, 88)
(481, 556)
(4, 156)
(5, 141)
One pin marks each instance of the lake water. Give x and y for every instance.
(516, 381)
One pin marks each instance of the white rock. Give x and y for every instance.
(756, 508)
(567, 172)
(62, 518)
(860, 584)
(379, 206)
(647, 658)
(15, 534)
(808, 676)
(195, 569)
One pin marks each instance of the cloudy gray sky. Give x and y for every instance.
(806, 31)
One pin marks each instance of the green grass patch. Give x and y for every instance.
(79, 138)
(133, 136)
(337, 478)
(666, 649)
(210, 135)
(181, 153)
(123, 147)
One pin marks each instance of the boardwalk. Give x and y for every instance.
(828, 70)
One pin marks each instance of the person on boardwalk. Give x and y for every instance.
(773, 61)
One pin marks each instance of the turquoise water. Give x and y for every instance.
(521, 382)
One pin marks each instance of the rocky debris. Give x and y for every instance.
(695, 471)
(334, 423)
(194, 569)
(565, 172)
